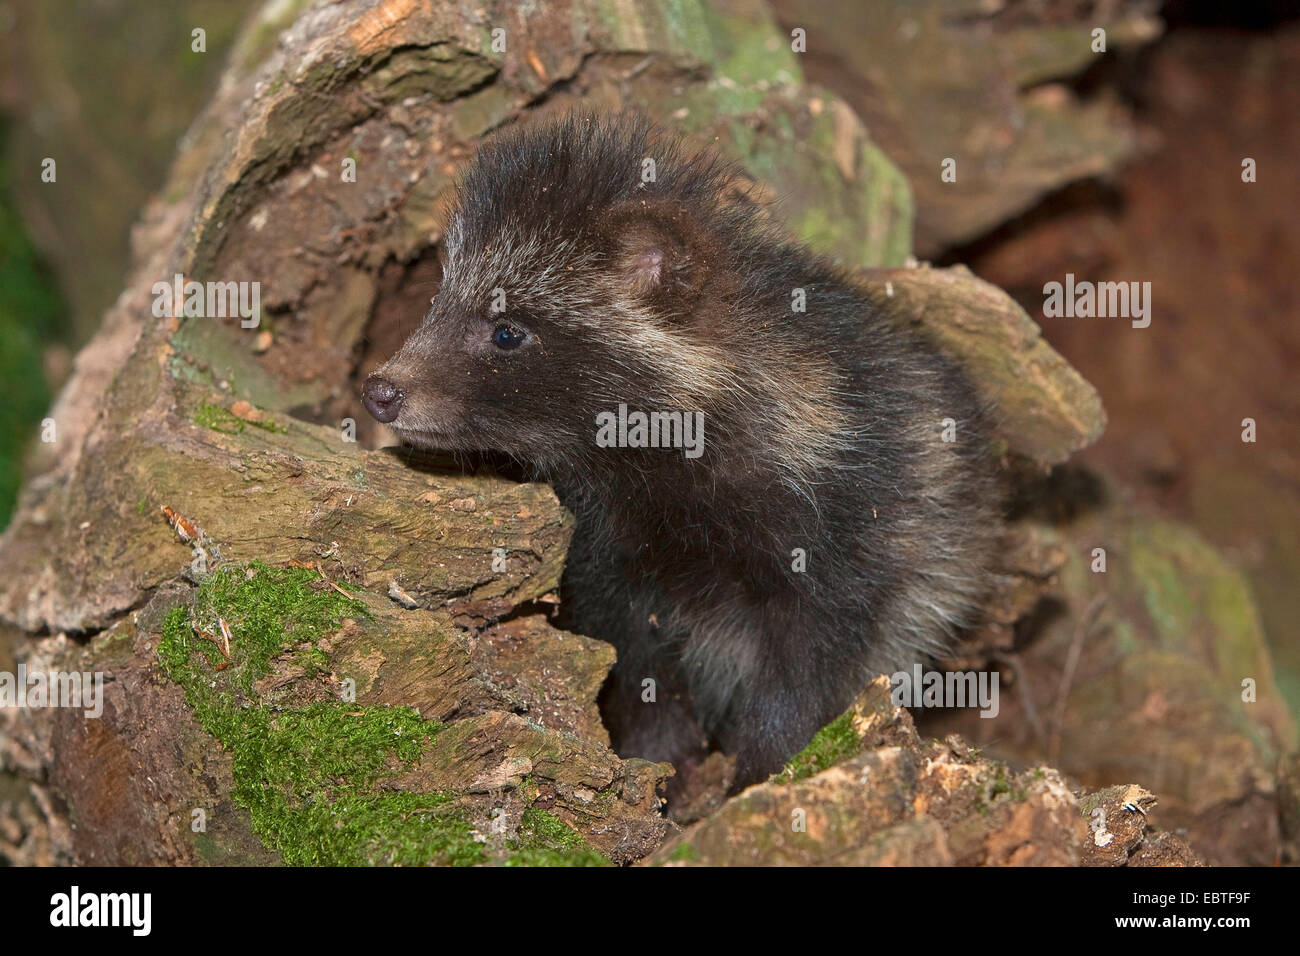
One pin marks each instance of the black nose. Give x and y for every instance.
(382, 398)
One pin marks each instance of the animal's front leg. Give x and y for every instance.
(781, 703)
(645, 704)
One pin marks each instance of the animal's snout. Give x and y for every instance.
(382, 398)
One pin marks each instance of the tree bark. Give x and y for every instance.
(319, 652)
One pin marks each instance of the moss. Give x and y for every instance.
(1126, 637)
(1231, 496)
(208, 353)
(678, 27)
(1090, 801)
(684, 852)
(1168, 599)
(222, 420)
(313, 778)
(309, 776)
(1004, 784)
(269, 611)
(113, 645)
(1201, 608)
(835, 742)
(890, 209)
(312, 660)
(206, 848)
(546, 840)
(308, 779)
(862, 220)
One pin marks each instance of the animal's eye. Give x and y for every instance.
(508, 337)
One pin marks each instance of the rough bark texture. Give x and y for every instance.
(330, 654)
(1000, 86)
(1043, 409)
(870, 792)
(1154, 670)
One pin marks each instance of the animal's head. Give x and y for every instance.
(580, 262)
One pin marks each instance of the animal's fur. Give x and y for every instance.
(822, 432)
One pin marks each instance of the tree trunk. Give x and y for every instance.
(318, 652)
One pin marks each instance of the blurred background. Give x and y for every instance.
(1123, 165)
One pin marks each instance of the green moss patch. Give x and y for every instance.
(308, 777)
(313, 778)
(222, 420)
(546, 840)
(684, 852)
(835, 742)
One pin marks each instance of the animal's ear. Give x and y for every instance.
(655, 253)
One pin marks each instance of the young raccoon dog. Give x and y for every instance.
(768, 513)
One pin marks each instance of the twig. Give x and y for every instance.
(1022, 680)
(1081, 630)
